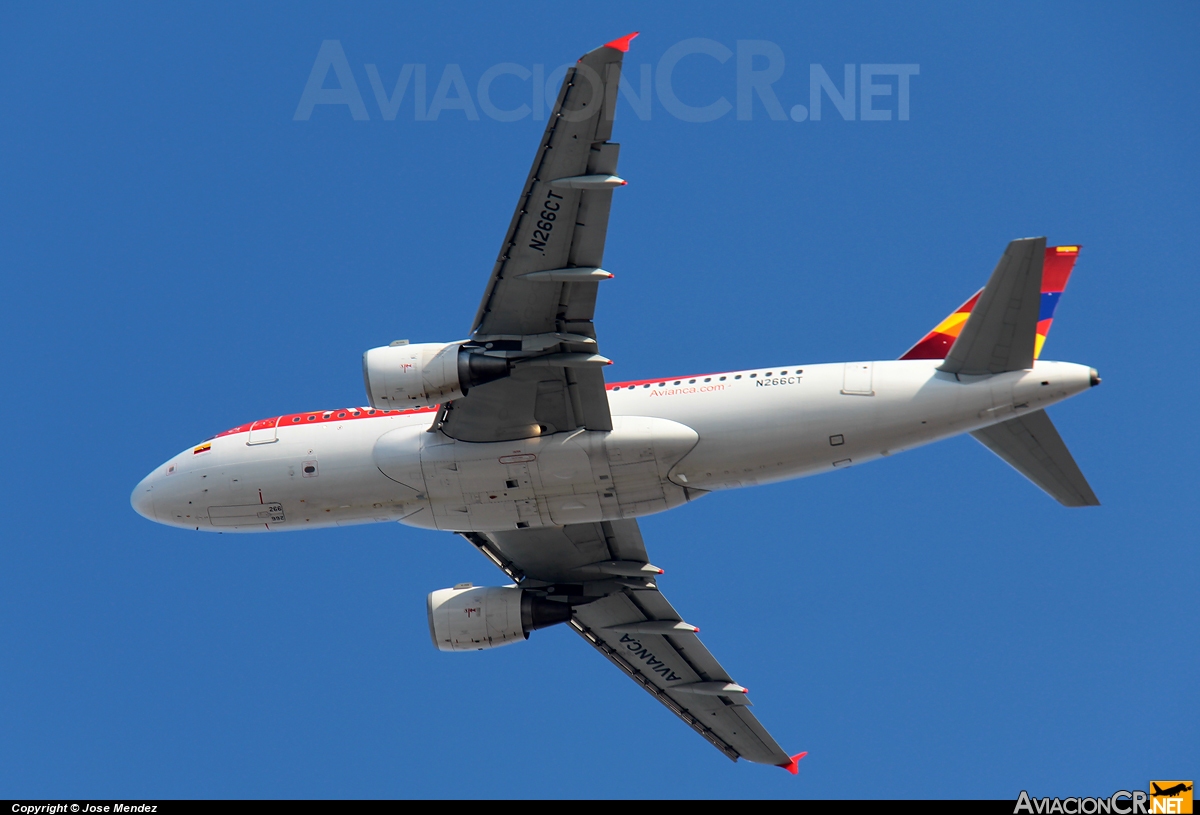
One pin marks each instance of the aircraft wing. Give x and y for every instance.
(602, 570)
(541, 297)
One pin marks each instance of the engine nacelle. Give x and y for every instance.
(472, 618)
(408, 376)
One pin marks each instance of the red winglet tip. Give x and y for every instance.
(660, 571)
(611, 275)
(793, 766)
(623, 182)
(622, 43)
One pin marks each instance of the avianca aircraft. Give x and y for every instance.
(513, 440)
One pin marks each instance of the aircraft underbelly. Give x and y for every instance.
(554, 480)
(832, 417)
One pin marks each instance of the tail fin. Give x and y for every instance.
(1059, 262)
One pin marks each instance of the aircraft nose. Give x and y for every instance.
(142, 498)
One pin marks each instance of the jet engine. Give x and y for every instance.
(472, 618)
(401, 375)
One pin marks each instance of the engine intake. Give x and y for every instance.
(472, 618)
(408, 376)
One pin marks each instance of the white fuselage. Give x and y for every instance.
(672, 441)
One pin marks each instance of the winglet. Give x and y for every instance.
(622, 43)
(793, 765)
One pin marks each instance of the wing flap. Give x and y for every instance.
(557, 554)
(591, 219)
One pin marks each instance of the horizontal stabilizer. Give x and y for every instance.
(1001, 333)
(1032, 446)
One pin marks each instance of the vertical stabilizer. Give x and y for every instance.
(999, 334)
(1057, 265)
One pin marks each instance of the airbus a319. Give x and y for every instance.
(514, 440)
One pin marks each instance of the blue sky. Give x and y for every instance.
(182, 255)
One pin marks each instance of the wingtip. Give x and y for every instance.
(621, 43)
(793, 766)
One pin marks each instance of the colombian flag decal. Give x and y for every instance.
(204, 448)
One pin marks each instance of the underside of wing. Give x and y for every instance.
(601, 571)
(540, 300)
(633, 629)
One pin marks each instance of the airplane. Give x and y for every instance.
(1170, 792)
(513, 439)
